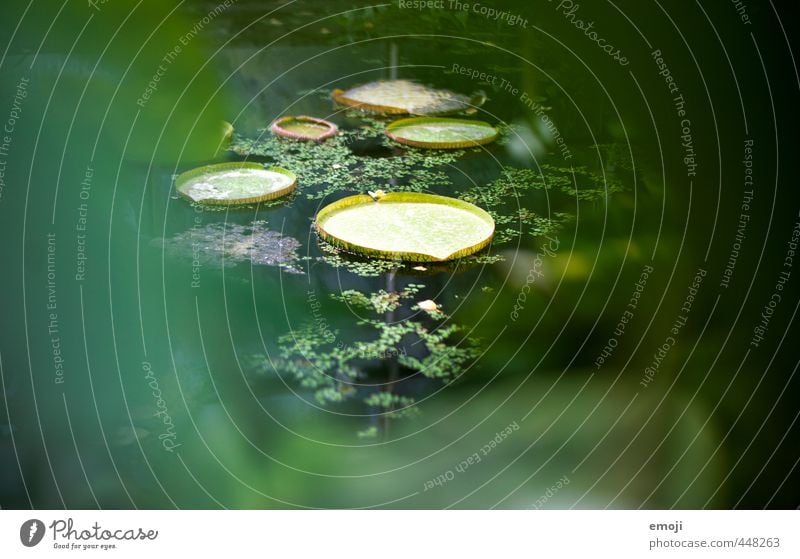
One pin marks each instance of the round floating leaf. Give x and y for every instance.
(405, 97)
(406, 226)
(442, 133)
(235, 183)
(304, 128)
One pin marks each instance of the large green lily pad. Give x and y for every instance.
(406, 226)
(235, 183)
(441, 133)
(406, 97)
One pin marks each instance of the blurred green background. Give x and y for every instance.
(101, 317)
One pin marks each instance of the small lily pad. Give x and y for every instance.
(405, 97)
(304, 128)
(406, 226)
(235, 183)
(441, 133)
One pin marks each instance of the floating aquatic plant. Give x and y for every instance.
(333, 166)
(380, 301)
(338, 165)
(401, 97)
(338, 369)
(360, 266)
(374, 267)
(406, 226)
(304, 128)
(441, 133)
(575, 182)
(235, 183)
(501, 197)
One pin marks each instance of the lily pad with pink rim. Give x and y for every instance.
(303, 127)
(406, 226)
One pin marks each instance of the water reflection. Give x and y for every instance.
(401, 341)
(230, 244)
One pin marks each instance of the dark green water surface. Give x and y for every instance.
(626, 341)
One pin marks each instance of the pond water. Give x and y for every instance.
(179, 355)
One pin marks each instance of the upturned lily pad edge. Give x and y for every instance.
(186, 176)
(391, 127)
(401, 256)
(339, 96)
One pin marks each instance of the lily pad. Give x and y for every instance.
(441, 133)
(235, 183)
(405, 97)
(304, 128)
(406, 226)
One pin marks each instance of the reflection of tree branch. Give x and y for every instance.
(393, 365)
(394, 60)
